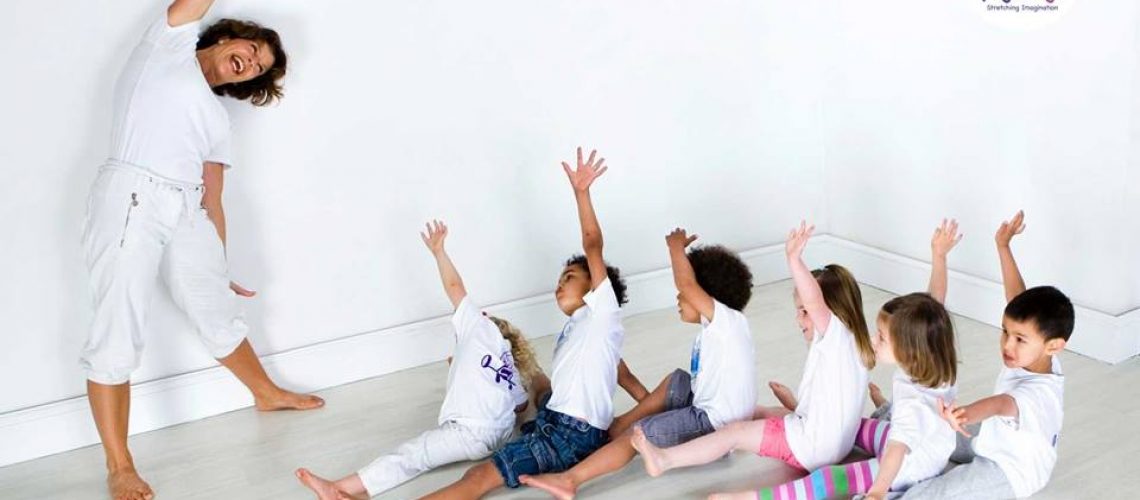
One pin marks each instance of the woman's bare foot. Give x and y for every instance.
(784, 395)
(654, 459)
(325, 489)
(558, 485)
(125, 484)
(876, 395)
(285, 400)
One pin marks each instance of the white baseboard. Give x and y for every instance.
(66, 425)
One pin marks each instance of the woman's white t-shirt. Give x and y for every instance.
(166, 118)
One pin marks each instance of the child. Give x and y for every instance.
(822, 429)
(945, 238)
(573, 422)
(713, 287)
(483, 395)
(1016, 448)
(915, 332)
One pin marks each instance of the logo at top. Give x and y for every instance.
(1020, 15)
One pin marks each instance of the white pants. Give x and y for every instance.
(450, 443)
(140, 227)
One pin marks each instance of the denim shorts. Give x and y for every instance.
(553, 442)
(681, 421)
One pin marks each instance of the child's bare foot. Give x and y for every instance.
(558, 485)
(784, 395)
(125, 484)
(325, 489)
(655, 461)
(876, 395)
(285, 400)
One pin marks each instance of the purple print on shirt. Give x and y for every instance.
(504, 373)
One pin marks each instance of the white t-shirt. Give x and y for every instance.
(832, 393)
(1026, 447)
(483, 387)
(723, 366)
(916, 423)
(586, 355)
(166, 118)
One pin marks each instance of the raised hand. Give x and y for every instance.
(797, 240)
(679, 239)
(954, 416)
(436, 233)
(945, 237)
(1009, 229)
(582, 177)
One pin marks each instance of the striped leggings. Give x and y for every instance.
(838, 480)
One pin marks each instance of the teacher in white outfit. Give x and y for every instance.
(155, 210)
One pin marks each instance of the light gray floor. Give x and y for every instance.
(247, 455)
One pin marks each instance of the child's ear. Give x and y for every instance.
(1054, 346)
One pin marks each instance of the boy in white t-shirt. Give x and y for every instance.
(491, 369)
(573, 421)
(713, 286)
(1016, 447)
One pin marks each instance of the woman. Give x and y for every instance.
(156, 210)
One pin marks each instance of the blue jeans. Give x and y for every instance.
(553, 442)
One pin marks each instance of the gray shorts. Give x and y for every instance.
(681, 421)
(981, 479)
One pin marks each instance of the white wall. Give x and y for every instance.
(709, 115)
(935, 113)
(732, 118)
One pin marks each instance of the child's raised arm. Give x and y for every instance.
(684, 277)
(806, 286)
(944, 239)
(452, 283)
(1010, 274)
(581, 179)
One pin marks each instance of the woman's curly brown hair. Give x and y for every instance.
(264, 89)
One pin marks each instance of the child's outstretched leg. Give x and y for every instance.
(476, 482)
(655, 402)
(836, 481)
(564, 485)
(872, 436)
(347, 488)
(705, 449)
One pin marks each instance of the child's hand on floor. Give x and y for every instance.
(587, 171)
(945, 238)
(1009, 229)
(679, 239)
(436, 233)
(954, 416)
(797, 240)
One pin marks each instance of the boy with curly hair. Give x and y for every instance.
(713, 286)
